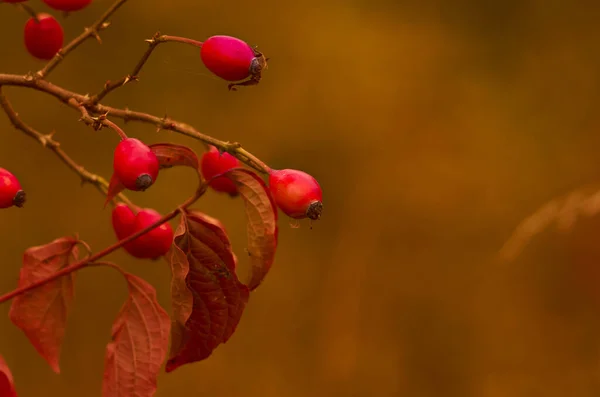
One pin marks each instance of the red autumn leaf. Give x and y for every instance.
(208, 299)
(262, 230)
(170, 155)
(140, 339)
(114, 187)
(42, 313)
(7, 386)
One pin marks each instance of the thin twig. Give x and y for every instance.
(97, 122)
(157, 39)
(91, 31)
(28, 10)
(47, 141)
(177, 39)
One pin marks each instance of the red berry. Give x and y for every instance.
(297, 193)
(123, 222)
(157, 241)
(43, 36)
(215, 163)
(151, 245)
(135, 164)
(231, 59)
(11, 192)
(67, 5)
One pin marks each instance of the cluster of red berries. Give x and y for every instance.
(43, 34)
(136, 166)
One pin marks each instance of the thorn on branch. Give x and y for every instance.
(165, 123)
(232, 146)
(93, 32)
(48, 141)
(154, 39)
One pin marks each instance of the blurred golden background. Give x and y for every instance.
(433, 126)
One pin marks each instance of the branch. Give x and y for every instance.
(165, 123)
(93, 258)
(66, 96)
(47, 141)
(96, 122)
(157, 39)
(91, 31)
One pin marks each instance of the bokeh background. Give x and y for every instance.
(434, 128)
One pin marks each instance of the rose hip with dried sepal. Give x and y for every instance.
(43, 36)
(214, 163)
(296, 193)
(67, 5)
(135, 164)
(11, 192)
(232, 59)
(151, 245)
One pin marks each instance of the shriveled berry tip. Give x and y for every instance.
(19, 199)
(314, 210)
(143, 182)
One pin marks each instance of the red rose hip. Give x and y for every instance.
(11, 192)
(214, 163)
(135, 164)
(232, 59)
(43, 36)
(67, 5)
(151, 245)
(157, 241)
(297, 193)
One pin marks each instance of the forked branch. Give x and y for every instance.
(48, 141)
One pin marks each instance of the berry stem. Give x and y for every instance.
(177, 39)
(91, 31)
(97, 122)
(47, 141)
(93, 258)
(29, 10)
